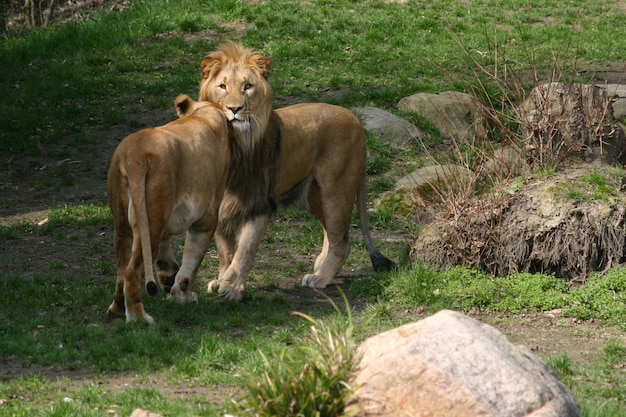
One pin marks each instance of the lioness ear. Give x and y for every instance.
(184, 105)
(263, 63)
(207, 64)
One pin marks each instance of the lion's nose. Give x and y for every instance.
(234, 109)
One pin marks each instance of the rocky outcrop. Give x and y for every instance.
(617, 95)
(568, 123)
(450, 365)
(569, 225)
(456, 115)
(389, 127)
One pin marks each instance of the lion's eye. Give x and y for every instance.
(222, 86)
(247, 86)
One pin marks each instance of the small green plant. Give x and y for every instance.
(312, 379)
(597, 185)
(544, 173)
(419, 287)
(562, 365)
(602, 189)
(614, 353)
(575, 193)
(602, 297)
(465, 288)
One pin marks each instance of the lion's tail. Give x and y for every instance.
(379, 261)
(137, 189)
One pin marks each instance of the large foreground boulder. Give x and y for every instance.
(450, 365)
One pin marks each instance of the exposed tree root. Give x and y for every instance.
(561, 225)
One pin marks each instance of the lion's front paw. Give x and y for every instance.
(230, 293)
(182, 297)
(224, 289)
(314, 281)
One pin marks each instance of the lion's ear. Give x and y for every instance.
(184, 105)
(207, 64)
(263, 63)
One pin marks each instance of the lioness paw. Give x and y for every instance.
(314, 281)
(181, 296)
(145, 318)
(230, 293)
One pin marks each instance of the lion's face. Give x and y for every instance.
(236, 79)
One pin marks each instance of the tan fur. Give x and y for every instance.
(314, 154)
(165, 181)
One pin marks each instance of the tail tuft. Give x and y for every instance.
(152, 288)
(381, 263)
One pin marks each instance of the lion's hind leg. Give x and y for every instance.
(336, 224)
(117, 307)
(133, 276)
(196, 245)
(122, 244)
(167, 267)
(329, 262)
(132, 297)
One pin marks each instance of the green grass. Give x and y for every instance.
(105, 69)
(59, 320)
(65, 88)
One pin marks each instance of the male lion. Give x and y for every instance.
(164, 181)
(314, 154)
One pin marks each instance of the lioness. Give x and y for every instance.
(164, 181)
(314, 154)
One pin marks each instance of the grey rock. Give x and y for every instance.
(437, 179)
(389, 127)
(565, 123)
(618, 93)
(503, 164)
(138, 412)
(456, 115)
(450, 365)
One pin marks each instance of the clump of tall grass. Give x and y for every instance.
(310, 380)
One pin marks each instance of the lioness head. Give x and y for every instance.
(236, 78)
(185, 105)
